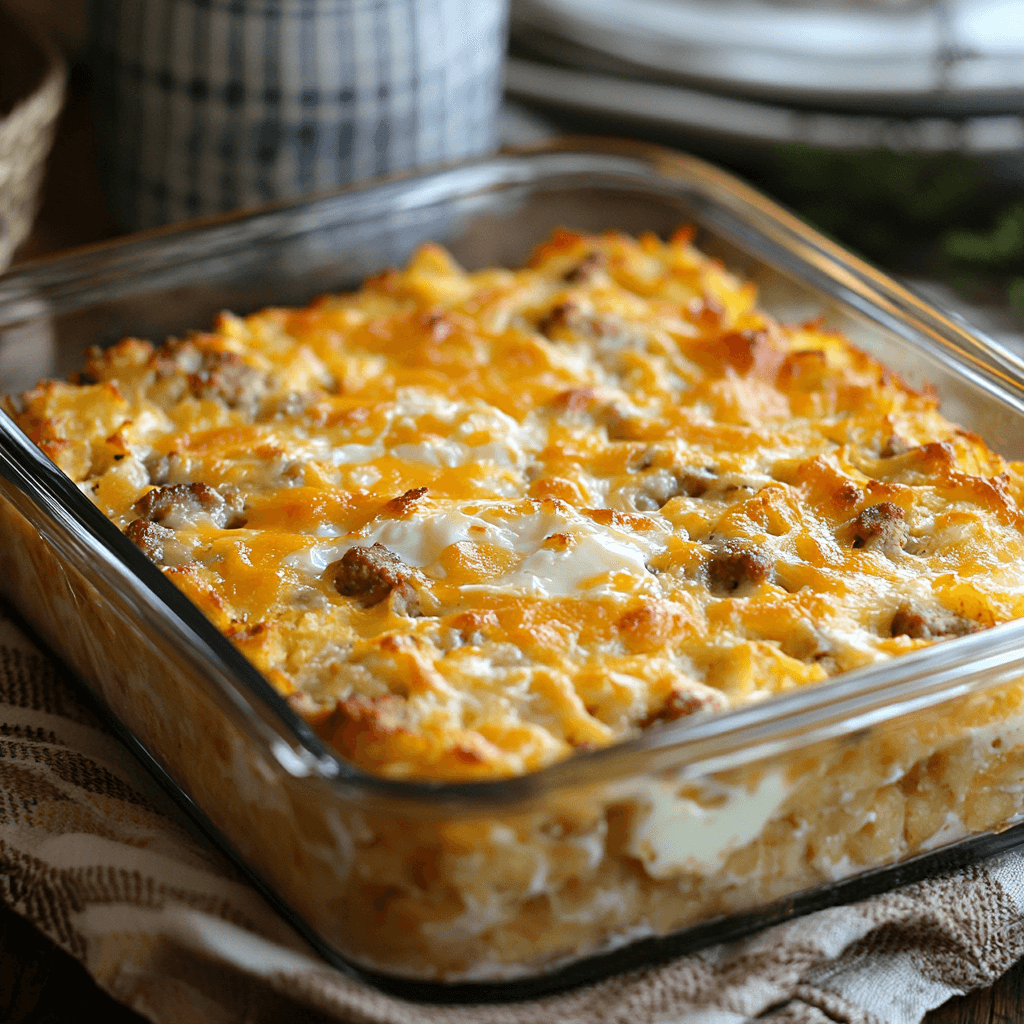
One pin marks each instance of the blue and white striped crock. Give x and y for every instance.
(204, 106)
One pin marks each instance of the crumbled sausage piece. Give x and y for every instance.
(372, 574)
(686, 700)
(149, 537)
(405, 601)
(847, 495)
(653, 495)
(587, 267)
(603, 407)
(225, 377)
(881, 527)
(660, 487)
(183, 505)
(568, 317)
(609, 337)
(930, 623)
(695, 481)
(737, 567)
(159, 503)
(174, 357)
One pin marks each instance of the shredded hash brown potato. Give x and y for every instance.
(470, 523)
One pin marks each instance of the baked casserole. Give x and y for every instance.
(472, 524)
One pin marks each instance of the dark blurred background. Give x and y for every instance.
(894, 126)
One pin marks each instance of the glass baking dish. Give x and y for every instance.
(680, 836)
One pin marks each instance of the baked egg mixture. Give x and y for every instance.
(469, 523)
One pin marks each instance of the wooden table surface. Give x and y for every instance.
(39, 984)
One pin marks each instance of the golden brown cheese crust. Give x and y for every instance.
(469, 523)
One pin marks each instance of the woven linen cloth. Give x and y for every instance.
(94, 854)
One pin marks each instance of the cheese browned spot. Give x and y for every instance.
(471, 523)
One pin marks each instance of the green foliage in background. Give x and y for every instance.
(913, 213)
(998, 250)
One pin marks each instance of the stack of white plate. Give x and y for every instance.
(931, 75)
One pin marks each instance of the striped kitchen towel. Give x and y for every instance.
(205, 106)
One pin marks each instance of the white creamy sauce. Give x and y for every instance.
(361, 476)
(587, 555)
(448, 453)
(354, 454)
(411, 403)
(509, 450)
(417, 542)
(592, 556)
(672, 833)
(507, 444)
(752, 479)
(303, 448)
(433, 451)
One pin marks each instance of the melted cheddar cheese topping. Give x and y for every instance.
(471, 522)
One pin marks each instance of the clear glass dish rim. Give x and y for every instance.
(697, 746)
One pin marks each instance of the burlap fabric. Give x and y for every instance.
(32, 75)
(92, 853)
